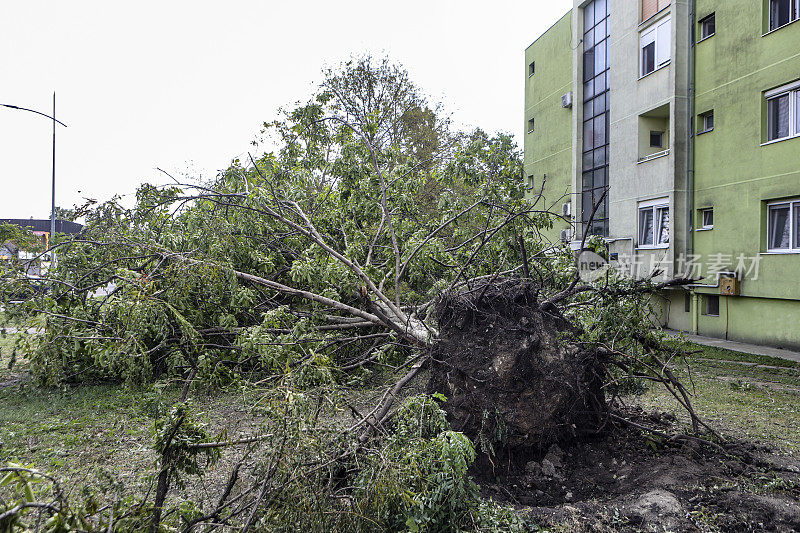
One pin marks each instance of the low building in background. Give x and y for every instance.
(34, 264)
(672, 130)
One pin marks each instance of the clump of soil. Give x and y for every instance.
(511, 376)
(631, 481)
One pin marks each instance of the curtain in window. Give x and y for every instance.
(797, 225)
(663, 225)
(778, 227)
(778, 117)
(648, 52)
(663, 3)
(797, 106)
(779, 13)
(646, 227)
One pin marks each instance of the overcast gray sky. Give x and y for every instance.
(185, 85)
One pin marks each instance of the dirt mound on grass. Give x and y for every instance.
(512, 378)
(629, 481)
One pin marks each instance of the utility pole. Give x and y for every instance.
(53, 118)
(53, 204)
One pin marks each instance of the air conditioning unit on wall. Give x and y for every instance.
(566, 210)
(566, 100)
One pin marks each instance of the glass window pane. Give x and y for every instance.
(587, 163)
(588, 39)
(779, 13)
(600, 57)
(646, 227)
(797, 102)
(600, 30)
(708, 121)
(778, 227)
(778, 117)
(588, 89)
(588, 17)
(663, 225)
(599, 130)
(600, 179)
(587, 180)
(599, 10)
(600, 157)
(708, 218)
(588, 134)
(797, 225)
(587, 205)
(600, 83)
(600, 214)
(588, 65)
(648, 58)
(600, 103)
(588, 109)
(711, 26)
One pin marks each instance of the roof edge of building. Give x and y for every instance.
(553, 25)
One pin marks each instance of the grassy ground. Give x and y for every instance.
(746, 396)
(79, 432)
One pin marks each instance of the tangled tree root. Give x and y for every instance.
(512, 377)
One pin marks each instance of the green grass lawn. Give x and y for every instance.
(81, 431)
(759, 401)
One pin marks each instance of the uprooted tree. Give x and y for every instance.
(373, 243)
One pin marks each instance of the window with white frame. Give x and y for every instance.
(708, 27)
(782, 12)
(656, 46)
(783, 112)
(706, 121)
(707, 218)
(654, 224)
(783, 226)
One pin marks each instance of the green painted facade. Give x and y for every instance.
(548, 148)
(736, 172)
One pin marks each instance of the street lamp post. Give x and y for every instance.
(53, 118)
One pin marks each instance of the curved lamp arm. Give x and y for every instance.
(33, 111)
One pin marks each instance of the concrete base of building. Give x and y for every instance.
(766, 322)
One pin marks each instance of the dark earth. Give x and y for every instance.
(630, 481)
(531, 401)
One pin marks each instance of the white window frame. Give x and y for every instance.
(704, 128)
(793, 17)
(660, 34)
(793, 91)
(794, 211)
(655, 206)
(703, 225)
(703, 23)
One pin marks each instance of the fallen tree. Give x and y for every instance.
(372, 245)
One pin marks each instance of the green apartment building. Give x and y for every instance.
(672, 129)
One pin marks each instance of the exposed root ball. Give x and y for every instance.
(510, 373)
